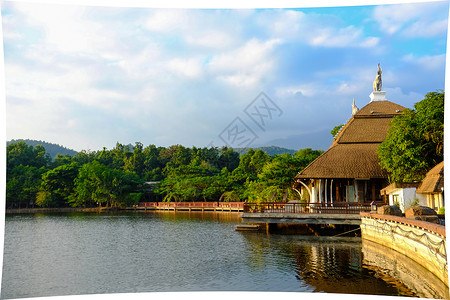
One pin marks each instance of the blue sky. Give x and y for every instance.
(87, 77)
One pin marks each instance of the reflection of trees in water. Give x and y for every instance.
(331, 265)
(227, 217)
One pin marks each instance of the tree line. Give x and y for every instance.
(117, 177)
(51, 149)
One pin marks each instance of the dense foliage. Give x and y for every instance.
(336, 130)
(50, 148)
(117, 177)
(271, 150)
(414, 143)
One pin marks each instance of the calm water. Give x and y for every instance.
(71, 254)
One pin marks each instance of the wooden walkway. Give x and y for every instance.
(301, 218)
(343, 213)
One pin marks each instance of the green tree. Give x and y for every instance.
(89, 186)
(336, 129)
(22, 185)
(153, 165)
(414, 143)
(136, 162)
(22, 154)
(250, 165)
(123, 187)
(61, 160)
(96, 183)
(57, 186)
(84, 157)
(275, 180)
(228, 158)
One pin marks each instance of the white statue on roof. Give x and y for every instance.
(354, 108)
(378, 82)
(378, 94)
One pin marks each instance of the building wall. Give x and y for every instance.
(434, 201)
(407, 197)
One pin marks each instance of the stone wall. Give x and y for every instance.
(424, 242)
(395, 266)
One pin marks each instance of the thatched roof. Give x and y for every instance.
(353, 152)
(434, 180)
(364, 130)
(380, 109)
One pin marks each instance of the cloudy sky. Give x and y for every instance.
(87, 77)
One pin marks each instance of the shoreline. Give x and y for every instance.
(43, 210)
(11, 211)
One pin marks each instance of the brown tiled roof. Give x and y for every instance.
(433, 181)
(346, 161)
(380, 108)
(353, 152)
(364, 130)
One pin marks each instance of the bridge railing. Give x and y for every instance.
(307, 207)
(193, 204)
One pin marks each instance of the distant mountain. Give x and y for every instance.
(51, 149)
(271, 150)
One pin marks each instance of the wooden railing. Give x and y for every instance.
(307, 207)
(193, 204)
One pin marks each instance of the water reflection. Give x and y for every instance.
(342, 265)
(71, 254)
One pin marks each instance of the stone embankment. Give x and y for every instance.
(422, 241)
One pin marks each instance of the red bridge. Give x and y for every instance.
(192, 206)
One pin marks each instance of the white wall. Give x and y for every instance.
(406, 198)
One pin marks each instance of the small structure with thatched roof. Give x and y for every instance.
(433, 187)
(349, 170)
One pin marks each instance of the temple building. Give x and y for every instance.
(349, 170)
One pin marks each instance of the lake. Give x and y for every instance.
(90, 253)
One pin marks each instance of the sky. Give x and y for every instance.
(87, 77)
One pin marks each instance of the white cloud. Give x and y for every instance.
(73, 30)
(145, 74)
(427, 62)
(9, 23)
(191, 67)
(341, 37)
(426, 28)
(198, 28)
(246, 65)
(283, 23)
(315, 29)
(413, 20)
(164, 20)
(209, 38)
(307, 90)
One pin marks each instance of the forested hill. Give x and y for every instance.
(270, 150)
(51, 149)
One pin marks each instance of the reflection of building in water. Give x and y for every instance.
(335, 266)
(384, 260)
